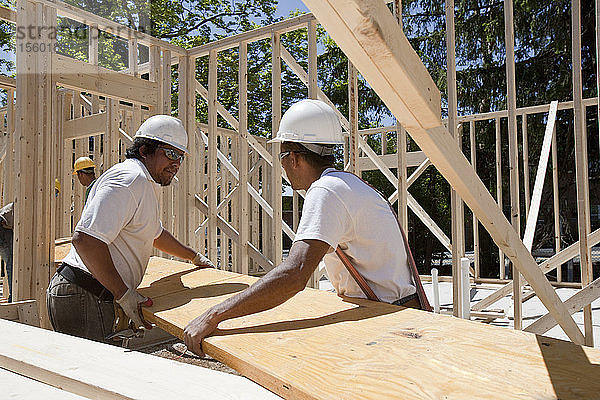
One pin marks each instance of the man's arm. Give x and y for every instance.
(277, 286)
(97, 259)
(169, 244)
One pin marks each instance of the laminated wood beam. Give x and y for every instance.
(318, 345)
(368, 34)
(83, 127)
(79, 75)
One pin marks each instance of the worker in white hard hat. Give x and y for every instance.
(84, 168)
(345, 223)
(114, 239)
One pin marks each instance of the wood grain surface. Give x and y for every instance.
(320, 346)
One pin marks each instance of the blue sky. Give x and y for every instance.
(285, 6)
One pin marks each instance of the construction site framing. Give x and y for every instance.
(234, 211)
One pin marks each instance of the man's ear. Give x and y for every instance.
(143, 151)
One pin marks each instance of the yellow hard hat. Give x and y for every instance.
(57, 184)
(83, 163)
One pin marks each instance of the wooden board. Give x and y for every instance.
(101, 371)
(79, 75)
(318, 345)
(15, 386)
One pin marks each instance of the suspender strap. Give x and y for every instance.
(411, 261)
(356, 275)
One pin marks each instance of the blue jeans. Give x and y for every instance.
(75, 311)
(6, 253)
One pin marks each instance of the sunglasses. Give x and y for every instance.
(172, 154)
(284, 154)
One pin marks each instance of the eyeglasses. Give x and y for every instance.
(172, 154)
(284, 154)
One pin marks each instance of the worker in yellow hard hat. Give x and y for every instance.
(56, 187)
(84, 168)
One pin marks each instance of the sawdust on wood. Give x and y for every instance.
(172, 350)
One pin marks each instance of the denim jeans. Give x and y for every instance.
(6, 253)
(75, 311)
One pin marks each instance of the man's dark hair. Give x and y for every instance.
(133, 151)
(89, 171)
(312, 158)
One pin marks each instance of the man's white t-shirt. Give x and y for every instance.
(122, 211)
(340, 209)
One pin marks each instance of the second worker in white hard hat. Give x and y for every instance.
(340, 211)
(113, 241)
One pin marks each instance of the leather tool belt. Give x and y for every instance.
(85, 281)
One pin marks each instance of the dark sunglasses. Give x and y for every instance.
(172, 154)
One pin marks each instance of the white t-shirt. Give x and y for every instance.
(340, 209)
(122, 211)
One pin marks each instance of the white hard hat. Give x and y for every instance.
(166, 129)
(310, 121)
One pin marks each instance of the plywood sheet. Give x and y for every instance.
(318, 345)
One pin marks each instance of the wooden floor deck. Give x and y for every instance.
(318, 345)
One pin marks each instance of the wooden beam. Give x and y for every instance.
(79, 75)
(56, 359)
(368, 34)
(574, 304)
(472, 137)
(243, 150)
(7, 82)
(513, 150)
(540, 178)
(252, 36)
(581, 166)
(212, 156)
(108, 26)
(8, 15)
(550, 264)
(413, 159)
(83, 127)
(235, 124)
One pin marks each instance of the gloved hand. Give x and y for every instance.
(202, 261)
(131, 303)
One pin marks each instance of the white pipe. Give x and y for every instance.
(466, 288)
(436, 290)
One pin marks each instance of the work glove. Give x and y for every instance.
(131, 303)
(202, 261)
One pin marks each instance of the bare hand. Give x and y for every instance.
(197, 330)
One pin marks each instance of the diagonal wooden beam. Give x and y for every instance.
(539, 178)
(369, 35)
(546, 266)
(574, 304)
(231, 120)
